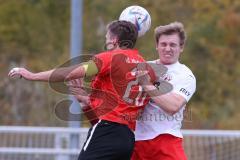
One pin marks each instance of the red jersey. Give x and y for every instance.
(116, 95)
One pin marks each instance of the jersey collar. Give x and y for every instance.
(169, 65)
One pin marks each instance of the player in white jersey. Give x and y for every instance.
(157, 134)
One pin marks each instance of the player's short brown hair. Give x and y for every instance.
(126, 33)
(175, 27)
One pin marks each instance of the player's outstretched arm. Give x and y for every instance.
(57, 75)
(54, 75)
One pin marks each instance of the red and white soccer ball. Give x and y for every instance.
(138, 16)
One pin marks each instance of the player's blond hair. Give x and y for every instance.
(174, 27)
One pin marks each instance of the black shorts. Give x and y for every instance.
(108, 141)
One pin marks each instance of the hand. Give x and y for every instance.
(143, 77)
(75, 87)
(21, 72)
(142, 74)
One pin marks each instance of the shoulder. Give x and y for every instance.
(186, 72)
(105, 53)
(103, 56)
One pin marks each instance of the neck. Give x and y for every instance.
(159, 61)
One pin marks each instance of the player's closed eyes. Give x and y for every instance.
(172, 45)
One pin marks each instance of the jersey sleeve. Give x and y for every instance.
(185, 87)
(90, 68)
(103, 62)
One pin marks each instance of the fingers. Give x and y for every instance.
(142, 67)
(78, 91)
(75, 87)
(74, 91)
(143, 77)
(141, 73)
(78, 83)
(71, 85)
(15, 73)
(74, 84)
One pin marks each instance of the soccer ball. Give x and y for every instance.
(138, 16)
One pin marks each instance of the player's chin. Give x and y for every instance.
(167, 61)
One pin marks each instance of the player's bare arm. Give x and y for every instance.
(169, 102)
(57, 75)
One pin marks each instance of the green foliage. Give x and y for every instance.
(34, 34)
(214, 42)
(32, 29)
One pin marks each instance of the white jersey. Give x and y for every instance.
(154, 121)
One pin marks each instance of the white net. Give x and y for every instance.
(40, 143)
(212, 145)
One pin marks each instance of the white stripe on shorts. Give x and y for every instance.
(91, 134)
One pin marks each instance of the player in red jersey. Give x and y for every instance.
(116, 96)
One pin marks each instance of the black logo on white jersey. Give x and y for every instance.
(183, 90)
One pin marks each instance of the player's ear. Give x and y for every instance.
(181, 48)
(115, 40)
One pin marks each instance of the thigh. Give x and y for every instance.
(142, 150)
(108, 142)
(163, 147)
(170, 147)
